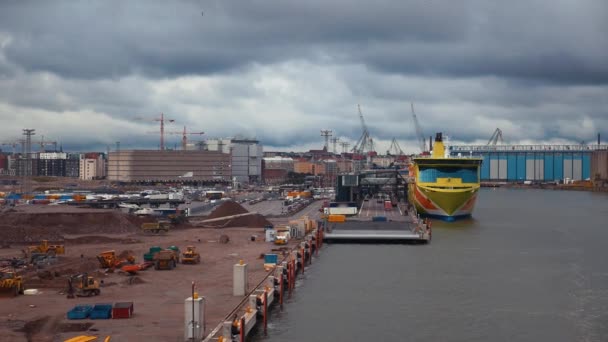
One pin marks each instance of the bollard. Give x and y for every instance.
(281, 290)
(243, 329)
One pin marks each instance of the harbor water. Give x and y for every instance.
(531, 265)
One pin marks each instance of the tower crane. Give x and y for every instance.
(419, 134)
(185, 136)
(365, 142)
(162, 121)
(42, 143)
(496, 137)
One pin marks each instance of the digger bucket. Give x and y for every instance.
(9, 291)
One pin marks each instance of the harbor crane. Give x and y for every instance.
(496, 138)
(419, 134)
(395, 149)
(185, 136)
(162, 121)
(365, 142)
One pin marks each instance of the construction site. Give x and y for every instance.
(57, 260)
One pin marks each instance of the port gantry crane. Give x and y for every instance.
(419, 134)
(185, 136)
(495, 138)
(365, 142)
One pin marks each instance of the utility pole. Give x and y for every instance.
(326, 133)
(334, 141)
(344, 145)
(27, 166)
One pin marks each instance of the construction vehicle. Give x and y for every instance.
(45, 248)
(191, 256)
(11, 284)
(108, 259)
(166, 259)
(83, 285)
(160, 227)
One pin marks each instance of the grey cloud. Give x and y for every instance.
(531, 40)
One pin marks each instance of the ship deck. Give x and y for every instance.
(398, 227)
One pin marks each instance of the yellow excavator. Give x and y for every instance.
(11, 284)
(83, 285)
(45, 248)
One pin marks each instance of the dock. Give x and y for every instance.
(375, 224)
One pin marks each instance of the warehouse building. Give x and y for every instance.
(153, 166)
(539, 163)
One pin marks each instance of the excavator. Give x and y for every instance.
(108, 259)
(42, 251)
(11, 284)
(83, 285)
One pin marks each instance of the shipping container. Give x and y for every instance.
(122, 310)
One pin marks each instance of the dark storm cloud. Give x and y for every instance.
(530, 40)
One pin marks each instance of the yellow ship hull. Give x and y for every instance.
(447, 204)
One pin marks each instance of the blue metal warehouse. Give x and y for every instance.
(545, 163)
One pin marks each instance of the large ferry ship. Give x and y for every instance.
(444, 186)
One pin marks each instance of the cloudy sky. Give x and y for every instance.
(90, 73)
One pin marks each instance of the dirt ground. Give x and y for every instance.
(158, 296)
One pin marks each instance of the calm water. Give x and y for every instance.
(531, 266)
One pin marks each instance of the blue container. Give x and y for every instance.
(80, 312)
(271, 259)
(379, 219)
(101, 311)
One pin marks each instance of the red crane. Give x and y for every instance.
(162, 128)
(185, 136)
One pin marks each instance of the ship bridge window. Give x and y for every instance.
(430, 174)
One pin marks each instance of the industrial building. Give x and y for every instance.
(246, 157)
(149, 166)
(537, 163)
(275, 170)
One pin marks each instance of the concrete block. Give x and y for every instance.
(240, 279)
(198, 321)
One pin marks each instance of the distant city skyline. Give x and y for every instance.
(90, 74)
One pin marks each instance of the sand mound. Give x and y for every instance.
(227, 209)
(232, 208)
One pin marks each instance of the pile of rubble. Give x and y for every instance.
(22, 227)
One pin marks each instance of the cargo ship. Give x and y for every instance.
(444, 186)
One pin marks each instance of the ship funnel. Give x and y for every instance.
(439, 148)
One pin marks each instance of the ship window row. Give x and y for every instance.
(430, 175)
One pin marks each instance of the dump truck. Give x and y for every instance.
(45, 248)
(166, 259)
(150, 255)
(108, 259)
(11, 284)
(83, 285)
(191, 256)
(160, 227)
